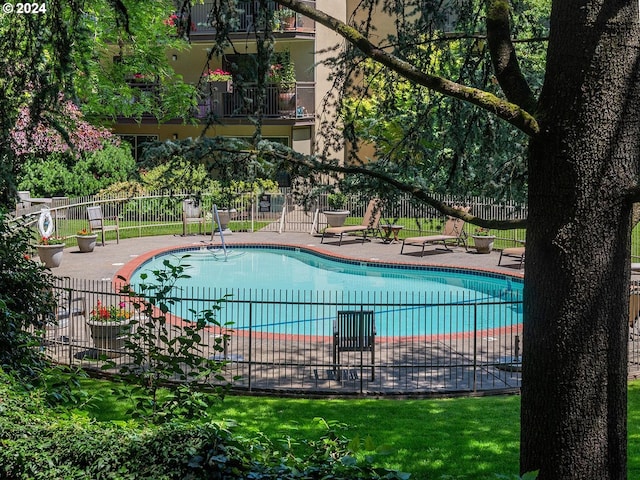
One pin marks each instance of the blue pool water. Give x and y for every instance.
(406, 301)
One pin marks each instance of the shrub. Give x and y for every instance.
(26, 301)
(45, 177)
(60, 174)
(37, 444)
(162, 351)
(99, 169)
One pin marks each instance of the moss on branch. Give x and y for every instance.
(510, 112)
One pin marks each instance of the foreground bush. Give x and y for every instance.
(26, 302)
(36, 444)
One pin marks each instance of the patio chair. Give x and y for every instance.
(369, 224)
(354, 331)
(192, 213)
(98, 222)
(517, 252)
(69, 324)
(453, 231)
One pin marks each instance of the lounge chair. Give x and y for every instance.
(369, 224)
(354, 331)
(98, 222)
(191, 213)
(453, 231)
(517, 252)
(634, 311)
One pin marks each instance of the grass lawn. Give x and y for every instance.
(454, 438)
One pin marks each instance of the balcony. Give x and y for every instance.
(201, 20)
(224, 102)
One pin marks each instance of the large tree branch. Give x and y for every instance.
(219, 153)
(509, 112)
(503, 56)
(416, 192)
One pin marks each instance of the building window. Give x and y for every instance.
(137, 143)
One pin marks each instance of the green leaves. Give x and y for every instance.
(26, 302)
(168, 367)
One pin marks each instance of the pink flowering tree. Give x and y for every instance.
(61, 133)
(62, 154)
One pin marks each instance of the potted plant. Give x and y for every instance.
(50, 250)
(141, 78)
(86, 240)
(284, 19)
(336, 213)
(223, 201)
(109, 326)
(283, 75)
(221, 79)
(483, 240)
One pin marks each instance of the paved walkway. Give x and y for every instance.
(104, 263)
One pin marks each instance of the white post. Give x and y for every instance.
(283, 215)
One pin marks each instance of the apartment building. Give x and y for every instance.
(290, 108)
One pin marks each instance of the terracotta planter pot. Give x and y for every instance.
(86, 243)
(288, 23)
(50, 255)
(286, 103)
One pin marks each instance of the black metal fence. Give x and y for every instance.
(286, 340)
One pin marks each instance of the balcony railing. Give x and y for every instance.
(202, 21)
(222, 100)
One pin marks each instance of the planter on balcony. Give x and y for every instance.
(288, 23)
(224, 87)
(287, 103)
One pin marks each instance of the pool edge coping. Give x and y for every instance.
(126, 271)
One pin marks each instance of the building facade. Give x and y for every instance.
(291, 108)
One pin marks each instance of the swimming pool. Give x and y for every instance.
(407, 300)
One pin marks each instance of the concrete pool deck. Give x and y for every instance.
(104, 263)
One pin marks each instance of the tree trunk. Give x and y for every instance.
(574, 388)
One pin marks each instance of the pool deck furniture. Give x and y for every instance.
(192, 213)
(517, 252)
(354, 331)
(453, 231)
(390, 230)
(98, 222)
(369, 224)
(26, 202)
